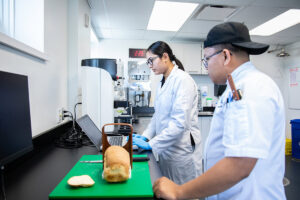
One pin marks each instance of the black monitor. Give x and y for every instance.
(15, 124)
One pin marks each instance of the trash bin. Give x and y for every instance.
(295, 138)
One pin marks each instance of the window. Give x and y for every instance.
(18, 21)
(6, 17)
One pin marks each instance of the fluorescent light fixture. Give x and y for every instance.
(169, 16)
(279, 23)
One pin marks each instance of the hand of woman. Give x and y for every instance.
(140, 136)
(141, 143)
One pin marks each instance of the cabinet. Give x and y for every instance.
(190, 55)
(192, 58)
(204, 126)
(204, 71)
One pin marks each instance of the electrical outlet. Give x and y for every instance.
(60, 115)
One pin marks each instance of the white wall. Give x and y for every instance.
(78, 48)
(290, 62)
(278, 69)
(53, 82)
(47, 80)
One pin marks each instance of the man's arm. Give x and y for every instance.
(223, 175)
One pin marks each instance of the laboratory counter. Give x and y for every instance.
(36, 174)
(205, 114)
(149, 111)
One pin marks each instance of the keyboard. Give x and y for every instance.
(125, 130)
(115, 140)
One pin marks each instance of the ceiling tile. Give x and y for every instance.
(120, 19)
(198, 26)
(254, 16)
(159, 35)
(278, 3)
(293, 31)
(275, 40)
(218, 2)
(214, 13)
(127, 34)
(194, 37)
(128, 14)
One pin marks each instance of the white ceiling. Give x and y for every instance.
(128, 19)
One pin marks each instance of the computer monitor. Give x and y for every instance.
(15, 124)
(91, 130)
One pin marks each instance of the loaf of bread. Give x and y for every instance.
(81, 181)
(116, 164)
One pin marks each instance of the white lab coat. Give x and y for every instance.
(175, 118)
(251, 127)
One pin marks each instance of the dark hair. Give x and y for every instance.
(234, 49)
(160, 47)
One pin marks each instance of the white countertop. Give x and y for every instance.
(206, 113)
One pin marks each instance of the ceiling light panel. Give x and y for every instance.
(279, 23)
(170, 16)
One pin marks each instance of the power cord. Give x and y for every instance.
(2, 182)
(79, 103)
(73, 137)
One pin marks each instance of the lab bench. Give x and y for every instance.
(35, 175)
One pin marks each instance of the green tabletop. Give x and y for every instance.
(138, 186)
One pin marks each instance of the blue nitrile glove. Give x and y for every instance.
(141, 143)
(140, 136)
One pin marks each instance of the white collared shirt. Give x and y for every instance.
(251, 127)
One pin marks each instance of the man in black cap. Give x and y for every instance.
(244, 152)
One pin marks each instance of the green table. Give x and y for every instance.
(137, 187)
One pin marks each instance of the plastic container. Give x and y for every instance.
(209, 102)
(288, 147)
(295, 123)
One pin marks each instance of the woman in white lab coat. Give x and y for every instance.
(173, 132)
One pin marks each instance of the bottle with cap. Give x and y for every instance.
(208, 101)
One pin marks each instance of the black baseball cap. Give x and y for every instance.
(234, 33)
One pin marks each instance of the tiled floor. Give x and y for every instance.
(292, 172)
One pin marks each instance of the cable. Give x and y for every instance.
(2, 182)
(75, 109)
(72, 138)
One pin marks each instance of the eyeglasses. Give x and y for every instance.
(150, 60)
(205, 59)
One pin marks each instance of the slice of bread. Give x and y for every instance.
(81, 181)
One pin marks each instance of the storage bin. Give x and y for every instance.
(288, 147)
(295, 123)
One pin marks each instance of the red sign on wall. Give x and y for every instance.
(137, 53)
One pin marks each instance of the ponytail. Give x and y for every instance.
(160, 47)
(178, 63)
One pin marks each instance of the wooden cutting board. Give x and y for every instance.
(138, 186)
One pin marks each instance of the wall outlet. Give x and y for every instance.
(60, 115)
